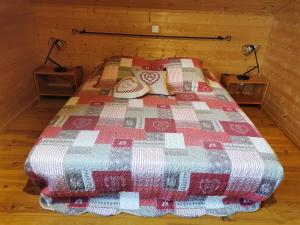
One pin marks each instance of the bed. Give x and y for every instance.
(189, 154)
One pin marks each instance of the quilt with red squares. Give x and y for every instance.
(190, 154)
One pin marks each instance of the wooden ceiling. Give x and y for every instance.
(242, 6)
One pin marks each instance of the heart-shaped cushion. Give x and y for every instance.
(157, 80)
(130, 87)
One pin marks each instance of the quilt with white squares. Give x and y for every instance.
(190, 154)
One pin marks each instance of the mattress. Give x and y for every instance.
(190, 154)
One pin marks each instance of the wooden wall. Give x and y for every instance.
(57, 20)
(282, 68)
(27, 27)
(17, 58)
(253, 6)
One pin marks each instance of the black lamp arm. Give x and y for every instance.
(256, 60)
(49, 58)
(53, 61)
(50, 50)
(255, 67)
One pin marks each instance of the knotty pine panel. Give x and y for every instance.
(18, 58)
(57, 20)
(253, 6)
(281, 67)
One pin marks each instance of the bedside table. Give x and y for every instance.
(51, 83)
(252, 91)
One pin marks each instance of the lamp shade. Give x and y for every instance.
(58, 43)
(247, 49)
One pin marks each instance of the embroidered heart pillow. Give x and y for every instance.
(156, 80)
(130, 87)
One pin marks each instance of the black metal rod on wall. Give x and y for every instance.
(76, 31)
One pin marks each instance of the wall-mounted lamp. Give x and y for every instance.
(247, 50)
(59, 44)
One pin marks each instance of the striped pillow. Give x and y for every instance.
(180, 79)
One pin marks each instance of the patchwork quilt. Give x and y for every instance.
(190, 154)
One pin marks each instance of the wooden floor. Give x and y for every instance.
(19, 207)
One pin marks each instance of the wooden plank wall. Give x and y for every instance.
(253, 6)
(57, 20)
(17, 58)
(282, 68)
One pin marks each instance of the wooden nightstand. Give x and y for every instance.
(252, 91)
(51, 83)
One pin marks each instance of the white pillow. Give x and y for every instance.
(156, 80)
(130, 87)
